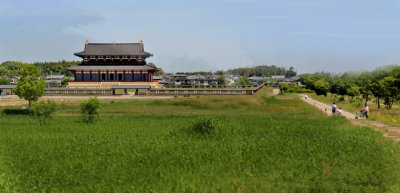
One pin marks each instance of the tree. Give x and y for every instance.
(152, 65)
(390, 90)
(219, 72)
(243, 80)
(353, 91)
(65, 81)
(4, 82)
(222, 80)
(321, 87)
(365, 83)
(290, 72)
(309, 80)
(90, 109)
(159, 73)
(30, 85)
(54, 84)
(377, 88)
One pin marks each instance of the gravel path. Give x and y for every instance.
(389, 132)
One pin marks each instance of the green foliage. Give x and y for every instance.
(13, 68)
(290, 72)
(222, 80)
(391, 90)
(293, 88)
(54, 84)
(309, 80)
(30, 85)
(364, 81)
(341, 84)
(56, 67)
(353, 91)
(341, 98)
(244, 81)
(44, 110)
(15, 111)
(262, 70)
(65, 81)
(204, 126)
(90, 109)
(4, 82)
(321, 87)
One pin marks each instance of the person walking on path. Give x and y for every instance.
(366, 110)
(334, 108)
(339, 112)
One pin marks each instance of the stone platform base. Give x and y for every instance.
(109, 84)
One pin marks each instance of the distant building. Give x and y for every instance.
(107, 64)
(54, 78)
(256, 79)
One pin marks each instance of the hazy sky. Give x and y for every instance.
(186, 35)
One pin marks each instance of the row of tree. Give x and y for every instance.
(382, 83)
(263, 71)
(13, 68)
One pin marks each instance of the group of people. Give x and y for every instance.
(363, 112)
(334, 109)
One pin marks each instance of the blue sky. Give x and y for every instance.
(186, 35)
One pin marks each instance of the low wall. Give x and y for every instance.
(205, 91)
(55, 91)
(78, 91)
(198, 92)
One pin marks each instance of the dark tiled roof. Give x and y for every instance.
(112, 67)
(119, 49)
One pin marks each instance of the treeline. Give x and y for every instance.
(382, 83)
(13, 68)
(263, 70)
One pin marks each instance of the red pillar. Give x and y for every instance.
(90, 76)
(141, 76)
(98, 78)
(75, 76)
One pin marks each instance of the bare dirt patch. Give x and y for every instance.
(14, 100)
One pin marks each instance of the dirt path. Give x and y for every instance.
(388, 131)
(275, 91)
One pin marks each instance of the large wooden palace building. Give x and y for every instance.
(107, 64)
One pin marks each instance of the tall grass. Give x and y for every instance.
(273, 150)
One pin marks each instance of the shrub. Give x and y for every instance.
(186, 95)
(90, 109)
(341, 98)
(16, 111)
(204, 126)
(43, 110)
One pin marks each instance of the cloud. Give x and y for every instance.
(46, 15)
(349, 36)
(182, 63)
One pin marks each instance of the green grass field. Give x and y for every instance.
(258, 144)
